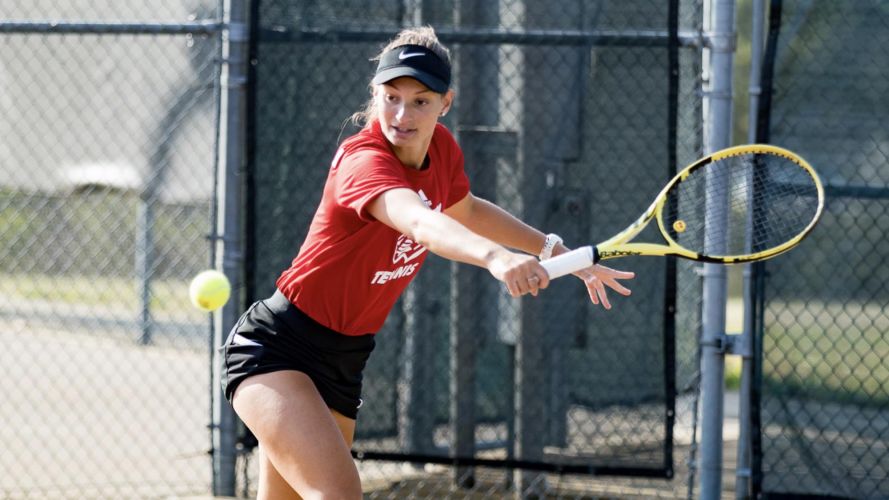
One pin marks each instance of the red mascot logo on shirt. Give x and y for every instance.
(406, 250)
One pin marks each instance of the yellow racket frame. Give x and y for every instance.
(620, 246)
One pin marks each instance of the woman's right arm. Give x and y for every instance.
(404, 211)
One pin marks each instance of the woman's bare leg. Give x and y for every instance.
(271, 485)
(303, 443)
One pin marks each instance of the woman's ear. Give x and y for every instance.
(447, 100)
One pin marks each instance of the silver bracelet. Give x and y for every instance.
(548, 244)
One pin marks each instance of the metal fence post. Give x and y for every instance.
(744, 459)
(717, 136)
(416, 414)
(229, 257)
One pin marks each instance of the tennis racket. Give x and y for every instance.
(740, 204)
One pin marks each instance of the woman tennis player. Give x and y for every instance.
(395, 190)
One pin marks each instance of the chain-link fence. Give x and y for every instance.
(824, 326)
(107, 157)
(107, 184)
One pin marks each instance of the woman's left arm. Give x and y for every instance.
(489, 220)
(495, 223)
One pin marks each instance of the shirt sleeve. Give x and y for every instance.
(364, 174)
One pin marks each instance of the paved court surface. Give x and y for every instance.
(88, 416)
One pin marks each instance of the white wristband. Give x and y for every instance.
(548, 244)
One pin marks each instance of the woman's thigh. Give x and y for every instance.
(307, 444)
(346, 425)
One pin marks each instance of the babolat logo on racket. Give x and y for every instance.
(617, 253)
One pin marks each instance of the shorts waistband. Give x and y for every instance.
(279, 303)
(299, 321)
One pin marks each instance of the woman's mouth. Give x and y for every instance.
(401, 132)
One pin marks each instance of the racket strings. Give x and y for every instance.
(741, 205)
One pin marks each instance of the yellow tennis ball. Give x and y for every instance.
(209, 290)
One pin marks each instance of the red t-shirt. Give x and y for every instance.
(352, 268)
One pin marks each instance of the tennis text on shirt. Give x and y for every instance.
(406, 253)
(351, 268)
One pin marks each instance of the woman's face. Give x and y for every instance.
(408, 111)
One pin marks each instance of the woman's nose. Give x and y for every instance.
(401, 111)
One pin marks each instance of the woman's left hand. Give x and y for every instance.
(598, 277)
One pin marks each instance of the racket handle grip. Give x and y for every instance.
(570, 262)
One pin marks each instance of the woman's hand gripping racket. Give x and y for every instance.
(740, 204)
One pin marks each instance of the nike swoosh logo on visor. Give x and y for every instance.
(404, 54)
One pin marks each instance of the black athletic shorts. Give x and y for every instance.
(275, 335)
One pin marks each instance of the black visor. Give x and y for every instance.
(417, 62)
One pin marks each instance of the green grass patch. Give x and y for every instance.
(833, 352)
(168, 296)
(733, 372)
